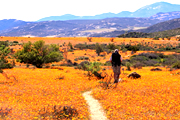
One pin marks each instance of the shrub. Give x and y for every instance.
(107, 63)
(83, 64)
(39, 53)
(176, 65)
(99, 48)
(89, 39)
(4, 51)
(156, 38)
(76, 59)
(70, 50)
(112, 46)
(70, 45)
(81, 58)
(112, 39)
(128, 65)
(138, 65)
(58, 112)
(15, 42)
(149, 55)
(86, 58)
(93, 68)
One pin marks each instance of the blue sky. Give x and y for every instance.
(33, 10)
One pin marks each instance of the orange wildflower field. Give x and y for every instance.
(36, 89)
(155, 96)
(35, 93)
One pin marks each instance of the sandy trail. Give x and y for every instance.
(96, 111)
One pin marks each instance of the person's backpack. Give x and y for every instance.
(116, 59)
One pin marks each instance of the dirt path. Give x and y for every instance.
(96, 111)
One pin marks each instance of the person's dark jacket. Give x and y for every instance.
(116, 59)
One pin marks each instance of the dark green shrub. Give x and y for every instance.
(39, 53)
(15, 42)
(176, 65)
(112, 46)
(83, 64)
(70, 50)
(107, 63)
(4, 51)
(99, 48)
(86, 58)
(76, 59)
(138, 65)
(156, 38)
(128, 66)
(70, 45)
(81, 58)
(5, 43)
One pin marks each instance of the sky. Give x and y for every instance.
(33, 10)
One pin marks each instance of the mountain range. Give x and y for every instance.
(94, 26)
(144, 12)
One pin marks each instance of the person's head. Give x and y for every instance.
(116, 50)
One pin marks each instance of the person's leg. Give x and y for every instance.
(119, 72)
(116, 76)
(115, 80)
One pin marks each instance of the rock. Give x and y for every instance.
(75, 63)
(69, 62)
(134, 75)
(156, 69)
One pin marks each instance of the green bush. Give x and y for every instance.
(176, 65)
(39, 53)
(4, 51)
(99, 48)
(112, 46)
(70, 45)
(86, 58)
(107, 63)
(15, 42)
(128, 65)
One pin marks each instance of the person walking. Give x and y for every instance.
(116, 60)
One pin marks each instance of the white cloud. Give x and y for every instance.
(32, 10)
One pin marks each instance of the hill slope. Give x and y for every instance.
(77, 27)
(167, 25)
(162, 34)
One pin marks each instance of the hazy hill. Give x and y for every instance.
(145, 11)
(11, 23)
(41, 29)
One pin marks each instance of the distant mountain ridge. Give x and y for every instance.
(145, 11)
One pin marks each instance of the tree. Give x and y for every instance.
(98, 48)
(4, 51)
(39, 53)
